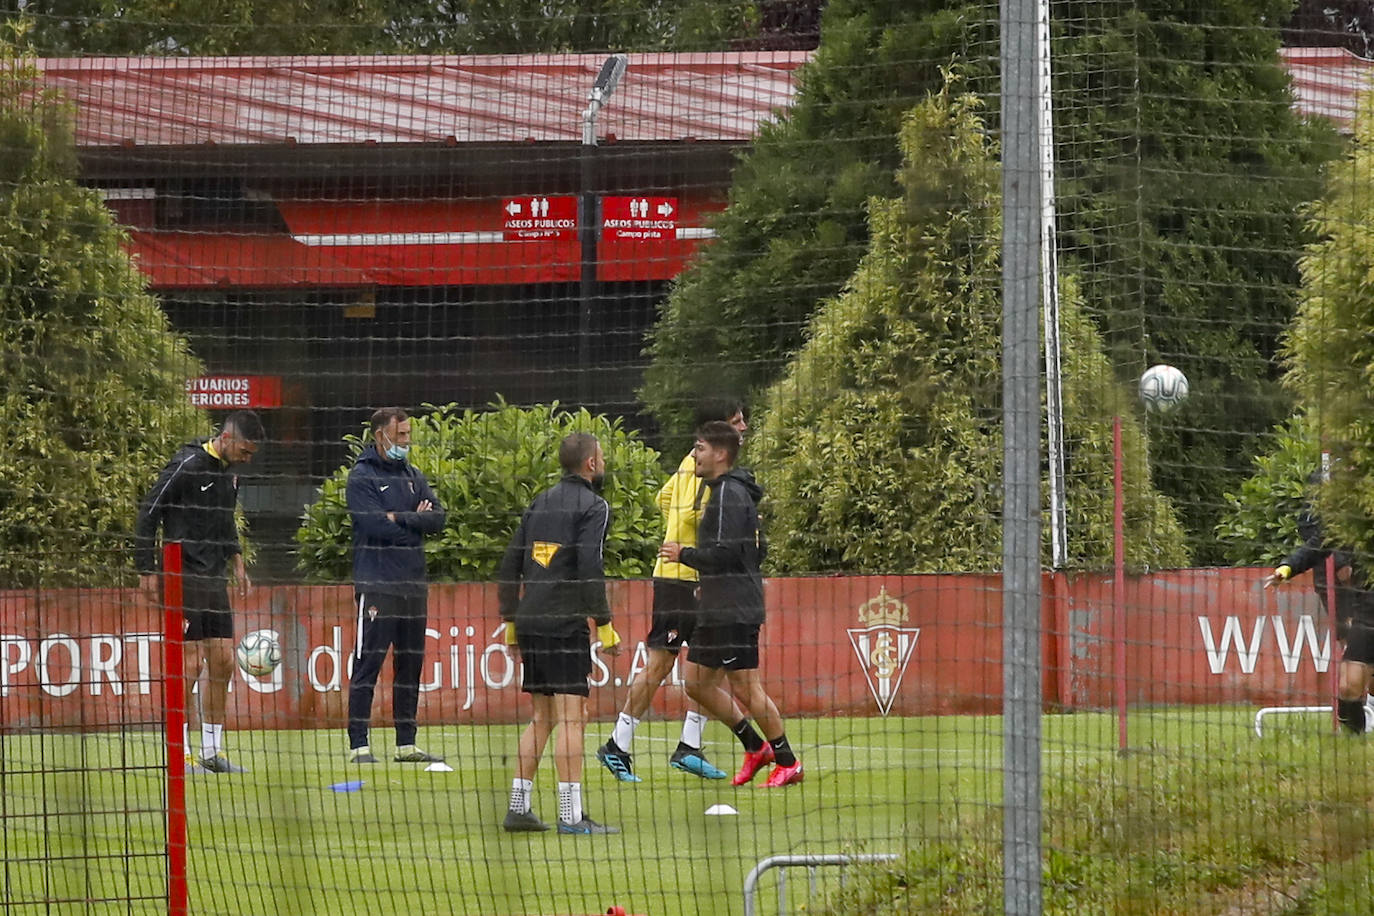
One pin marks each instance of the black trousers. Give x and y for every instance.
(395, 622)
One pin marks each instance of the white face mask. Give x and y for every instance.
(395, 452)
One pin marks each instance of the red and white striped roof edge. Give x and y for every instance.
(153, 101)
(1328, 81)
(161, 101)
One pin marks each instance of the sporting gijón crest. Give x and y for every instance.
(883, 646)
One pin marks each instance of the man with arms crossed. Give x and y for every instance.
(556, 555)
(193, 501)
(393, 509)
(681, 500)
(725, 644)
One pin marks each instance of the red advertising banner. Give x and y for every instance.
(539, 218)
(868, 645)
(234, 392)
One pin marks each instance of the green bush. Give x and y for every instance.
(485, 467)
(1260, 526)
(881, 447)
(95, 381)
(796, 225)
(1172, 119)
(1331, 344)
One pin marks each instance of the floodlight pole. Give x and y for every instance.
(1022, 205)
(587, 216)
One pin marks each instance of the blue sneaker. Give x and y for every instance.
(695, 762)
(586, 826)
(618, 762)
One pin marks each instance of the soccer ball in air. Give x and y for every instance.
(1163, 387)
(258, 653)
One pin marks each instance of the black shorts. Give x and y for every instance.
(555, 664)
(1359, 642)
(732, 646)
(675, 615)
(205, 609)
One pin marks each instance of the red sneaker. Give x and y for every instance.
(784, 776)
(753, 762)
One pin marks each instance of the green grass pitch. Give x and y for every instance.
(89, 826)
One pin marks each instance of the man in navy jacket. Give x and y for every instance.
(393, 508)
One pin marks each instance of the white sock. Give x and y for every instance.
(186, 738)
(520, 792)
(211, 739)
(570, 802)
(624, 733)
(691, 728)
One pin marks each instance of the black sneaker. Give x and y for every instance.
(523, 823)
(618, 762)
(409, 753)
(585, 826)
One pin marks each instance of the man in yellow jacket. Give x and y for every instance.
(681, 500)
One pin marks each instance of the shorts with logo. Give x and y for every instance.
(675, 615)
(555, 664)
(1359, 642)
(732, 646)
(205, 608)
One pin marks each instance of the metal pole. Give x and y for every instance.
(1119, 583)
(1022, 199)
(1049, 293)
(612, 70)
(751, 880)
(586, 233)
(174, 714)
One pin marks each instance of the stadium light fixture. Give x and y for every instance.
(602, 89)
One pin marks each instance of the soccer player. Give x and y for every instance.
(725, 644)
(393, 509)
(552, 579)
(1353, 614)
(193, 501)
(681, 500)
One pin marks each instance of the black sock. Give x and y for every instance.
(1351, 714)
(615, 748)
(751, 739)
(683, 748)
(782, 751)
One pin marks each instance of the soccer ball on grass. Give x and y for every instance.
(258, 653)
(1163, 387)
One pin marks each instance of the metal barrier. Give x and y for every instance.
(1285, 710)
(809, 863)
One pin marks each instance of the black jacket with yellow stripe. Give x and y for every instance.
(552, 576)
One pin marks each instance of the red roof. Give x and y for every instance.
(156, 101)
(192, 260)
(1327, 81)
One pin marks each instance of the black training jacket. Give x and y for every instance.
(193, 501)
(389, 556)
(556, 554)
(730, 549)
(1353, 599)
